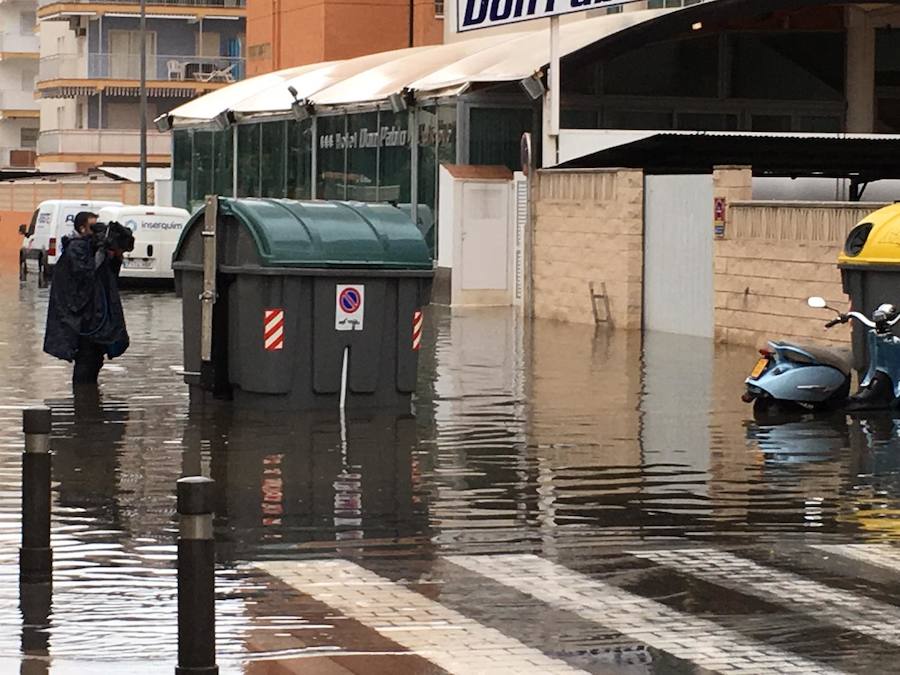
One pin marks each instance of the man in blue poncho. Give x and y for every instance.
(85, 321)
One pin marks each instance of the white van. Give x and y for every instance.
(51, 221)
(156, 232)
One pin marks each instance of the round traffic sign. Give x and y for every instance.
(350, 300)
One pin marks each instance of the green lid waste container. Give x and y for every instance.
(870, 270)
(315, 303)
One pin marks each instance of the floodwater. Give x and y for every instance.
(542, 438)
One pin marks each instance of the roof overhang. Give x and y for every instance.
(863, 156)
(429, 72)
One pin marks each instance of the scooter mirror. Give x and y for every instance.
(816, 302)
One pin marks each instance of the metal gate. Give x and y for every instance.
(678, 254)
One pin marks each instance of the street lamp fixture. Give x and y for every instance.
(302, 108)
(534, 85)
(404, 100)
(163, 122)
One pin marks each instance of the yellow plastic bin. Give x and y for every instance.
(870, 269)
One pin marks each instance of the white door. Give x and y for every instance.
(485, 224)
(678, 254)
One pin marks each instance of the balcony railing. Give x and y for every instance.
(101, 142)
(12, 99)
(62, 67)
(169, 3)
(24, 43)
(171, 67)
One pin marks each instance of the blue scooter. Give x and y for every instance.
(812, 378)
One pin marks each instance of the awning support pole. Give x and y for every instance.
(550, 145)
(414, 164)
(208, 296)
(314, 141)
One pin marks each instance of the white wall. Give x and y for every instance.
(56, 38)
(52, 119)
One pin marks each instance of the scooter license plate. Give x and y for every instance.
(759, 368)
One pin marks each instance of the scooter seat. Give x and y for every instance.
(839, 359)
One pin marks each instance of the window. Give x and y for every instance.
(209, 44)
(28, 138)
(124, 60)
(439, 9)
(27, 21)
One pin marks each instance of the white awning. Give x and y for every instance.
(429, 71)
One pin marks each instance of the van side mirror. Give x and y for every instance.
(23, 230)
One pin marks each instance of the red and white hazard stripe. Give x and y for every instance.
(417, 330)
(273, 329)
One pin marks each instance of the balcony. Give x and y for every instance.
(165, 3)
(12, 100)
(55, 10)
(112, 143)
(19, 43)
(176, 70)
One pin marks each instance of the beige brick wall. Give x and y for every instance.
(588, 227)
(773, 257)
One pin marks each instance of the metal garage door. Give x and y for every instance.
(678, 255)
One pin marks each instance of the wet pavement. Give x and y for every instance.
(563, 500)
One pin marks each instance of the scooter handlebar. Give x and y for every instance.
(835, 322)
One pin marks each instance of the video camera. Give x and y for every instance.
(112, 236)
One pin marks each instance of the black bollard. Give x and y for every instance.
(36, 556)
(196, 578)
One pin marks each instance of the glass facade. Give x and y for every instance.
(202, 164)
(365, 156)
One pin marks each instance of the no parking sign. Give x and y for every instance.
(349, 307)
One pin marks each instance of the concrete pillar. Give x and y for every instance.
(860, 71)
(549, 141)
(732, 184)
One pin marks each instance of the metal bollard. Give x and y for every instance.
(196, 578)
(36, 556)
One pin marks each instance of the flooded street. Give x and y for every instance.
(561, 501)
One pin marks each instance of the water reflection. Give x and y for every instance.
(309, 482)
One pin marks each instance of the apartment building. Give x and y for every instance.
(18, 69)
(285, 33)
(88, 78)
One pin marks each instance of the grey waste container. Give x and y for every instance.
(304, 288)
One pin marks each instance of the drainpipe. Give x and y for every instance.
(412, 20)
(143, 104)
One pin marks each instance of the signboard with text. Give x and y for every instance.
(477, 14)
